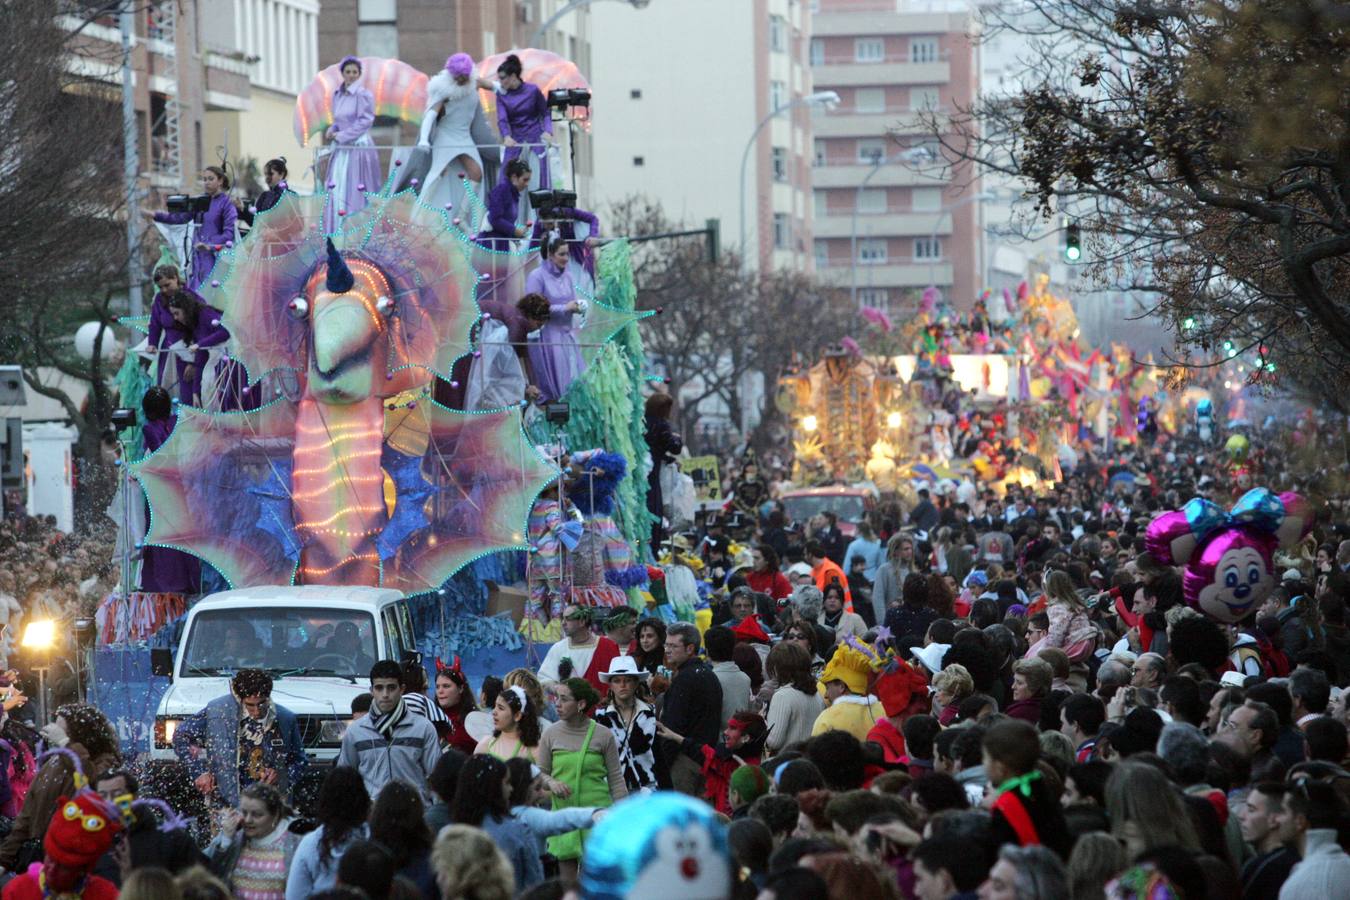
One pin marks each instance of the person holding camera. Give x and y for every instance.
(214, 215)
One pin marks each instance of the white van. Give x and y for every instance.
(317, 642)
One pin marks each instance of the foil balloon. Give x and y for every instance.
(1228, 555)
(663, 845)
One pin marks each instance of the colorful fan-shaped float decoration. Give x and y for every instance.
(548, 71)
(400, 92)
(351, 474)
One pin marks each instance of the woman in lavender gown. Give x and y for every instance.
(164, 570)
(523, 120)
(354, 166)
(555, 356)
(580, 228)
(200, 324)
(215, 226)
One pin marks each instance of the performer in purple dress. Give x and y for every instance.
(555, 356)
(354, 166)
(523, 119)
(164, 330)
(499, 227)
(215, 227)
(201, 326)
(164, 570)
(580, 228)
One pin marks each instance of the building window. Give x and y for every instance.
(871, 150)
(377, 39)
(377, 10)
(869, 50)
(778, 34)
(780, 164)
(923, 50)
(489, 43)
(818, 152)
(639, 161)
(778, 94)
(635, 94)
(822, 254)
(782, 231)
(872, 251)
(872, 201)
(923, 98)
(869, 100)
(928, 248)
(877, 298)
(820, 202)
(817, 52)
(925, 199)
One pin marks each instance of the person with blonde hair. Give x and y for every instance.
(1070, 629)
(469, 866)
(1097, 857)
(197, 883)
(534, 689)
(151, 883)
(950, 686)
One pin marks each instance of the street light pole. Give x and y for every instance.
(131, 165)
(828, 99)
(913, 155)
(544, 26)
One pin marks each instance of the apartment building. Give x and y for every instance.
(891, 216)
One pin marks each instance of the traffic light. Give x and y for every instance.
(713, 229)
(1073, 242)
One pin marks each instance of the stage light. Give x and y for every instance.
(893, 420)
(809, 423)
(39, 635)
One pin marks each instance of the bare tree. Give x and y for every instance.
(1204, 149)
(61, 207)
(720, 324)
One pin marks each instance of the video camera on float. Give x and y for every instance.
(185, 203)
(547, 203)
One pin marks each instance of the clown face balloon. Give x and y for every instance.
(1228, 557)
(660, 846)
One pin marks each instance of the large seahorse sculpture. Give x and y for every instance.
(351, 330)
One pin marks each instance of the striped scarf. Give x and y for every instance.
(386, 724)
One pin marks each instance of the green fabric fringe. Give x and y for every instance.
(132, 383)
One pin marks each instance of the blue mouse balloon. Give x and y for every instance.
(658, 846)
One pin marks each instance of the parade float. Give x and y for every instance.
(346, 468)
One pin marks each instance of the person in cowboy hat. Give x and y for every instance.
(631, 720)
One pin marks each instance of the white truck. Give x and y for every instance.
(318, 643)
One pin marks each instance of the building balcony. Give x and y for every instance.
(874, 24)
(874, 225)
(882, 74)
(227, 81)
(895, 174)
(891, 274)
(846, 123)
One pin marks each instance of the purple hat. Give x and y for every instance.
(459, 65)
(350, 59)
(1017, 609)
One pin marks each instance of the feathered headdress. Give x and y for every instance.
(602, 473)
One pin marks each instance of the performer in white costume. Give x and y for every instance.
(447, 125)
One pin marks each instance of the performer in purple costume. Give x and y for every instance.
(562, 223)
(215, 227)
(354, 162)
(164, 330)
(555, 356)
(200, 323)
(522, 118)
(164, 570)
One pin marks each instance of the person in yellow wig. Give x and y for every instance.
(845, 682)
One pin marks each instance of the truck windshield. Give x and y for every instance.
(848, 507)
(281, 639)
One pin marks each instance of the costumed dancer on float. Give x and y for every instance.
(354, 166)
(580, 228)
(555, 355)
(164, 570)
(452, 105)
(523, 120)
(214, 229)
(200, 325)
(164, 330)
(274, 173)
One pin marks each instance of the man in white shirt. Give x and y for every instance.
(579, 644)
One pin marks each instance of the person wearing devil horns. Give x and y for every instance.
(455, 701)
(80, 832)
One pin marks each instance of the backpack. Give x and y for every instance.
(1274, 661)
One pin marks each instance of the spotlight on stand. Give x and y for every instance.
(123, 418)
(185, 203)
(545, 203)
(39, 638)
(563, 98)
(557, 412)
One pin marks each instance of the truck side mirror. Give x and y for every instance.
(161, 662)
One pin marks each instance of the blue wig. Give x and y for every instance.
(595, 494)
